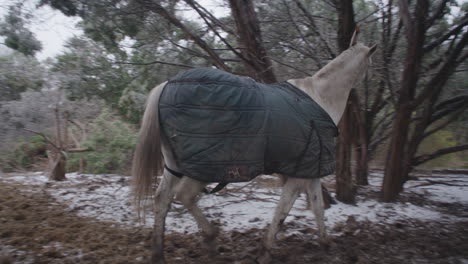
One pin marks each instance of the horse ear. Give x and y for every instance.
(354, 37)
(372, 50)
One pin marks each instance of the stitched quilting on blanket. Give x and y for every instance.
(226, 128)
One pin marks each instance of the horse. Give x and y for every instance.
(155, 154)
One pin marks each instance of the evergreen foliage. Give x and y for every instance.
(111, 142)
(17, 35)
(25, 154)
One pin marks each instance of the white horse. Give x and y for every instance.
(329, 87)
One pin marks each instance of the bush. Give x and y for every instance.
(24, 155)
(112, 142)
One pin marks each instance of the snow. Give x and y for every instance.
(441, 192)
(455, 192)
(244, 205)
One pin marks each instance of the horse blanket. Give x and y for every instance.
(227, 128)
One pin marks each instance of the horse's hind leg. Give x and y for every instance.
(163, 200)
(315, 198)
(187, 193)
(289, 195)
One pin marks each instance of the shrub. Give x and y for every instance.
(112, 142)
(24, 155)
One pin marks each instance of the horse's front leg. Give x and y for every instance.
(163, 200)
(289, 195)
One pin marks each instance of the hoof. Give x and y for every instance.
(325, 242)
(157, 256)
(324, 239)
(209, 242)
(264, 256)
(157, 261)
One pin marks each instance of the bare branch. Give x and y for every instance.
(454, 31)
(440, 78)
(432, 182)
(201, 10)
(76, 150)
(154, 62)
(427, 157)
(314, 27)
(438, 13)
(299, 31)
(58, 130)
(449, 120)
(290, 66)
(159, 9)
(363, 20)
(74, 138)
(448, 106)
(76, 123)
(45, 138)
(462, 58)
(202, 14)
(394, 41)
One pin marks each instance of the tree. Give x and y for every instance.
(86, 70)
(345, 186)
(431, 59)
(220, 49)
(37, 112)
(19, 73)
(253, 53)
(16, 34)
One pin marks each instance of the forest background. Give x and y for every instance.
(82, 107)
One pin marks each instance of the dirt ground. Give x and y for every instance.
(35, 228)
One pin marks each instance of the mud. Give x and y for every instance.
(36, 228)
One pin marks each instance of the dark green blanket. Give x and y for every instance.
(226, 128)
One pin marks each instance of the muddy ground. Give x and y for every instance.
(36, 228)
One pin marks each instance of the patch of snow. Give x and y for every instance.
(441, 187)
(447, 188)
(375, 211)
(33, 178)
(243, 206)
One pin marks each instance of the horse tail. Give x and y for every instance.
(148, 160)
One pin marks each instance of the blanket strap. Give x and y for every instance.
(173, 172)
(216, 189)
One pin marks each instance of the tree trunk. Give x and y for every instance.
(345, 190)
(397, 161)
(57, 161)
(257, 63)
(361, 140)
(82, 165)
(346, 23)
(56, 170)
(362, 163)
